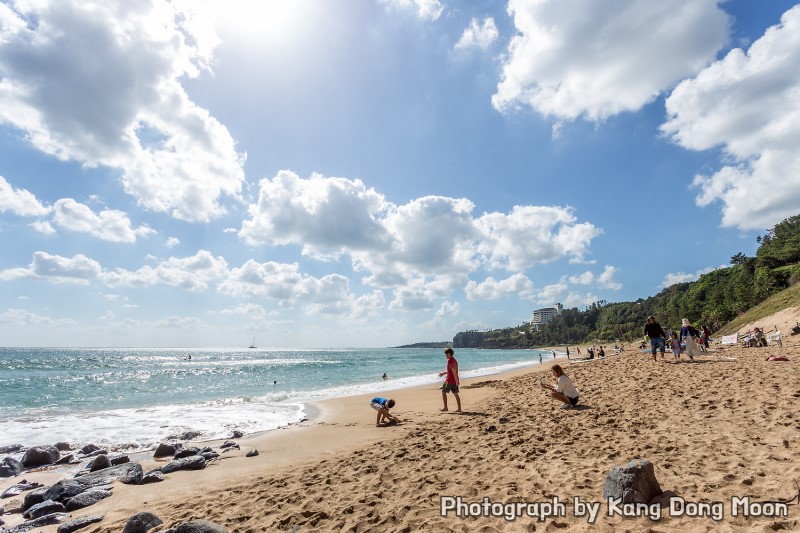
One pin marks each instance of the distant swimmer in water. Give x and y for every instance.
(274, 382)
(189, 358)
(385, 376)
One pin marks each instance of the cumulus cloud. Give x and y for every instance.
(193, 273)
(172, 242)
(57, 269)
(492, 289)
(248, 310)
(99, 83)
(108, 225)
(552, 293)
(581, 58)
(424, 9)
(746, 103)
(478, 35)
(682, 277)
(19, 201)
(43, 227)
(419, 293)
(605, 280)
(23, 318)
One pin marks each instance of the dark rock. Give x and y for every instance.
(79, 523)
(98, 452)
(195, 462)
(63, 446)
(89, 449)
(634, 482)
(40, 456)
(120, 459)
(167, 449)
(251, 453)
(186, 452)
(46, 520)
(237, 434)
(65, 460)
(41, 509)
(65, 489)
(228, 444)
(129, 473)
(98, 463)
(11, 448)
(19, 488)
(490, 429)
(205, 449)
(87, 498)
(189, 435)
(209, 456)
(154, 476)
(10, 467)
(33, 497)
(141, 522)
(200, 526)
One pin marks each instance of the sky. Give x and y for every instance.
(365, 173)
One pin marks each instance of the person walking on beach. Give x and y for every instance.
(655, 333)
(689, 335)
(675, 344)
(451, 382)
(382, 405)
(564, 390)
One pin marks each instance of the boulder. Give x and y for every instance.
(186, 452)
(208, 456)
(19, 488)
(154, 476)
(237, 434)
(41, 509)
(98, 463)
(11, 448)
(120, 459)
(10, 467)
(200, 526)
(634, 482)
(46, 520)
(33, 497)
(141, 523)
(65, 489)
(89, 449)
(66, 459)
(87, 498)
(63, 446)
(40, 456)
(251, 453)
(167, 449)
(129, 473)
(78, 523)
(195, 462)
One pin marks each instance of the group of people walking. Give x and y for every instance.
(693, 339)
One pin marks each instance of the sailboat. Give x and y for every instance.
(253, 344)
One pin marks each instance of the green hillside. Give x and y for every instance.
(720, 299)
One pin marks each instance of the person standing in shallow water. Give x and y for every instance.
(451, 382)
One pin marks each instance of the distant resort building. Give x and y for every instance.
(545, 315)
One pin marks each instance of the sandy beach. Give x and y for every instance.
(723, 428)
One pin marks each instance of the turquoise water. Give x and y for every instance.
(129, 398)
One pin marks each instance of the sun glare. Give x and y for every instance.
(260, 21)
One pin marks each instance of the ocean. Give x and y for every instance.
(130, 399)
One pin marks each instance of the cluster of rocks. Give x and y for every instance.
(42, 506)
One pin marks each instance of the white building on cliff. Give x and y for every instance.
(545, 315)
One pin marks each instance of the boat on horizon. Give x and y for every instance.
(253, 344)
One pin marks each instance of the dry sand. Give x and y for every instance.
(725, 427)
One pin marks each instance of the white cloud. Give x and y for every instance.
(172, 242)
(43, 227)
(19, 201)
(550, 294)
(478, 35)
(491, 289)
(531, 235)
(418, 293)
(323, 214)
(108, 225)
(448, 309)
(606, 279)
(587, 278)
(248, 310)
(576, 58)
(22, 318)
(57, 269)
(124, 108)
(573, 299)
(747, 103)
(424, 9)
(193, 273)
(682, 277)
